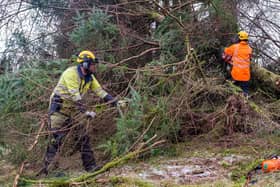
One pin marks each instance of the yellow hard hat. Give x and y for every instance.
(85, 55)
(243, 35)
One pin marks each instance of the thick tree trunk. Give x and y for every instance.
(268, 79)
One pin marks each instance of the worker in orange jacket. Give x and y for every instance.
(239, 56)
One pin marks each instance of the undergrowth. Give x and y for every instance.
(24, 101)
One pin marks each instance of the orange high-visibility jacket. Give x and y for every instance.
(241, 54)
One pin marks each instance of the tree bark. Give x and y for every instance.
(266, 78)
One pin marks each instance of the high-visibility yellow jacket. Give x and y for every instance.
(72, 86)
(241, 54)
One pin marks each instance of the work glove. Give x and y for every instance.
(109, 98)
(90, 114)
(122, 103)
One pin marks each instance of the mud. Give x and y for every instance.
(180, 171)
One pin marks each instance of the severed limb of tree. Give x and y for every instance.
(135, 57)
(90, 177)
(266, 77)
(141, 136)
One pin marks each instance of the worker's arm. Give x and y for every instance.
(98, 90)
(228, 53)
(109, 98)
(229, 50)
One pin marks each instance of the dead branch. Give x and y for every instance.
(135, 57)
(15, 184)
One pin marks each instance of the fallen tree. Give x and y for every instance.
(266, 78)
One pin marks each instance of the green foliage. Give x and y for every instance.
(129, 127)
(163, 125)
(17, 44)
(110, 148)
(17, 155)
(15, 151)
(240, 172)
(142, 116)
(10, 90)
(25, 91)
(171, 45)
(224, 12)
(27, 85)
(18, 40)
(228, 20)
(94, 31)
(2, 148)
(171, 40)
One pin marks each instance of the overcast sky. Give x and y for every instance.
(28, 20)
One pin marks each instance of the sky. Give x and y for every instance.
(264, 25)
(29, 21)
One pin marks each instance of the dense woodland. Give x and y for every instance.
(162, 56)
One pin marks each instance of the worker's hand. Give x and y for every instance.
(111, 99)
(90, 114)
(122, 103)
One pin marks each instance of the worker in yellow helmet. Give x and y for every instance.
(239, 56)
(66, 102)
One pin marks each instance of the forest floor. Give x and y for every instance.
(199, 162)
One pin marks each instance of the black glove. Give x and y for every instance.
(108, 98)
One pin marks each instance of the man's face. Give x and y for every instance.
(92, 67)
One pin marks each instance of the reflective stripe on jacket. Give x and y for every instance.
(241, 54)
(72, 86)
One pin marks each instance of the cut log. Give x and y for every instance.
(266, 78)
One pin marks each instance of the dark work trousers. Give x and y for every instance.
(244, 85)
(83, 143)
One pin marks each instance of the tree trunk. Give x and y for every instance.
(268, 79)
